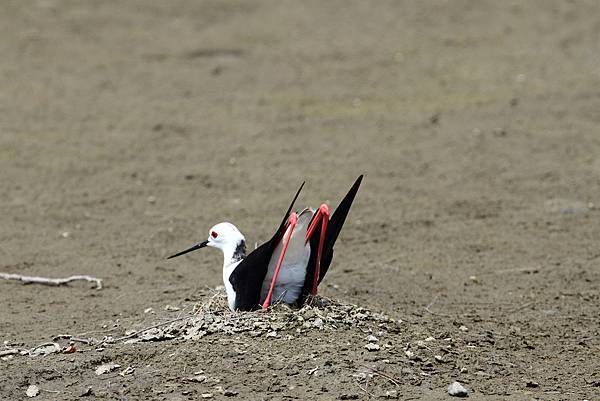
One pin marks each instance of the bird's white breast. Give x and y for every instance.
(227, 270)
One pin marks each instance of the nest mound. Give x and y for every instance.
(213, 316)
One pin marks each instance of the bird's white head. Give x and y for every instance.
(224, 236)
(227, 238)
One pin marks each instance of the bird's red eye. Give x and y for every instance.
(214, 234)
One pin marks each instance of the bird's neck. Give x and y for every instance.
(232, 256)
(234, 252)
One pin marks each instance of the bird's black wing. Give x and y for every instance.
(248, 276)
(333, 231)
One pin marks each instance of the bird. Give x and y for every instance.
(287, 268)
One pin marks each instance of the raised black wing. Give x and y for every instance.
(248, 276)
(333, 231)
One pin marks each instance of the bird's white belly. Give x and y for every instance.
(292, 273)
(289, 281)
(227, 270)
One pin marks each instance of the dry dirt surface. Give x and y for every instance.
(471, 254)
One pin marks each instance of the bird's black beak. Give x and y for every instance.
(197, 246)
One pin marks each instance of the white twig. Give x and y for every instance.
(9, 352)
(51, 281)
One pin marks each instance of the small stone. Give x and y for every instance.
(65, 234)
(88, 392)
(108, 367)
(409, 354)
(457, 390)
(421, 344)
(318, 323)
(391, 394)
(438, 358)
(308, 313)
(32, 391)
(372, 339)
(148, 310)
(207, 395)
(170, 308)
(429, 339)
(230, 393)
(463, 328)
(372, 347)
(151, 199)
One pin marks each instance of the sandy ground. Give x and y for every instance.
(127, 129)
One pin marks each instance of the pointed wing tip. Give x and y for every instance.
(357, 183)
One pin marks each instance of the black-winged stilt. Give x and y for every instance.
(288, 267)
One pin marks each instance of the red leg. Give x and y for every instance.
(322, 215)
(292, 220)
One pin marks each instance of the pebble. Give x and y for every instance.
(32, 391)
(107, 367)
(457, 390)
(372, 339)
(197, 378)
(87, 392)
(463, 328)
(372, 347)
